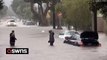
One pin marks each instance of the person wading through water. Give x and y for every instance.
(12, 38)
(51, 37)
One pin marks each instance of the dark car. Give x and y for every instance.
(90, 38)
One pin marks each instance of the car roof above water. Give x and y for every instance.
(70, 32)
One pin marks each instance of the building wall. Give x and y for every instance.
(100, 24)
(105, 27)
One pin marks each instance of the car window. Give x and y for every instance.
(77, 36)
(68, 33)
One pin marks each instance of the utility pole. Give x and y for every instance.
(94, 11)
(95, 16)
(54, 16)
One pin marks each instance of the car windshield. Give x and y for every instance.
(12, 21)
(70, 33)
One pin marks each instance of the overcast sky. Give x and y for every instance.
(7, 2)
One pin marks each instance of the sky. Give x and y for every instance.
(7, 2)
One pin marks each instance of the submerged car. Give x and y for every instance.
(11, 23)
(88, 38)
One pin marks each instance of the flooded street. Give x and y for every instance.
(37, 42)
(33, 19)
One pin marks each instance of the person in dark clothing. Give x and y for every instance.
(51, 37)
(12, 38)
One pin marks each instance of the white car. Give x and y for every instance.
(74, 34)
(11, 23)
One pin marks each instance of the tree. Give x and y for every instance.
(77, 14)
(98, 5)
(101, 6)
(1, 4)
(3, 9)
(49, 4)
(59, 15)
(104, 10)
(22, 9)
(3, 12)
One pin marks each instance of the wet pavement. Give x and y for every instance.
(36, 39)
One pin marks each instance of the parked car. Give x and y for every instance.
(29, 23)
(70, 34)
(11, 23)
